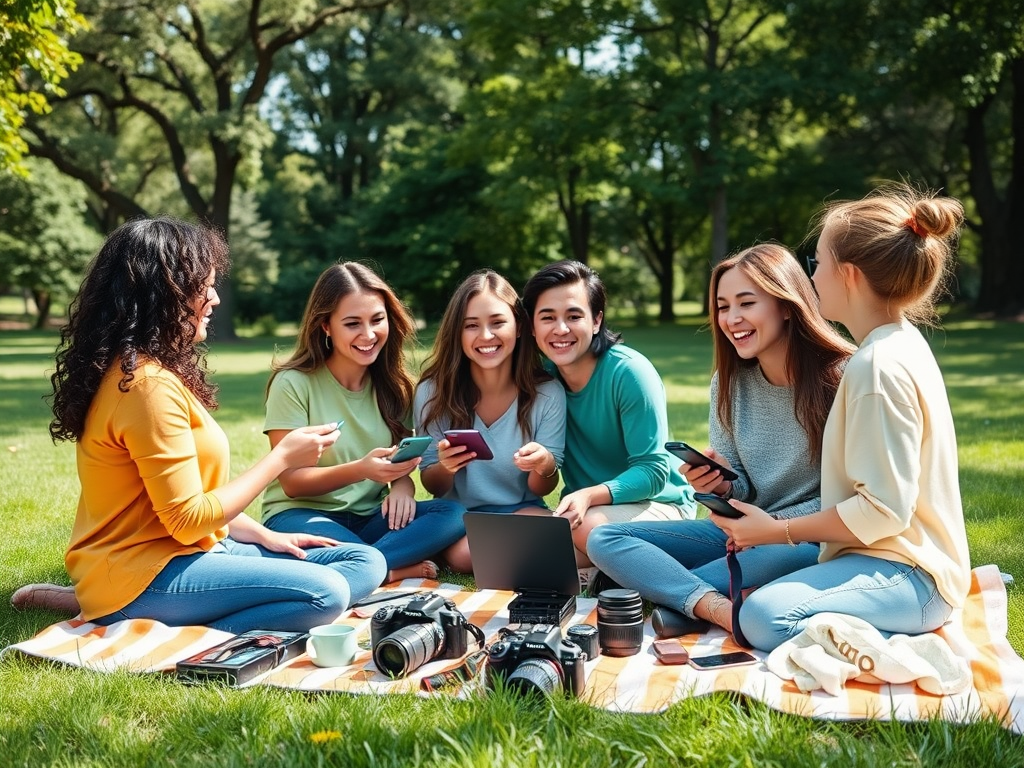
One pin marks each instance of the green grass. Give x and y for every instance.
(52, 715)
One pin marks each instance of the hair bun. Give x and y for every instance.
(938, 216)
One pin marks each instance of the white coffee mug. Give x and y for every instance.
(332, 645)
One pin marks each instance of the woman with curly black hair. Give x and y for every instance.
(161, 532)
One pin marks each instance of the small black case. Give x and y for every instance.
(243, 657)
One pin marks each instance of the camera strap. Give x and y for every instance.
(463, 672)
(736, 595)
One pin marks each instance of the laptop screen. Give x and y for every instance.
(522, 553)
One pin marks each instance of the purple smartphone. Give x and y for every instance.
(472, 440)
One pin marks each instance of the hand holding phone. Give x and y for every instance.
(695, 458)
(670, 651)
(718, 505)
(722, 660)
(410, 448)
(473, 441)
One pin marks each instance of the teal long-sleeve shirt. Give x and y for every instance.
(615, 433)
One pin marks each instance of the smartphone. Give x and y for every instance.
(473, 441)
(695, 458)
(722, 660)
(670, 652)
(718, 505)
(410, 448)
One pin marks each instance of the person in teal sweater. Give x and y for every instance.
(616, 467)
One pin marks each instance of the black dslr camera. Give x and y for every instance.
(404, 637)
(535, 659)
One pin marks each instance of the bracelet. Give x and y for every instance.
(789, 539)
(551, 474)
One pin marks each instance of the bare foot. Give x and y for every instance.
(51, 597)
(425, 569)
(716, 608)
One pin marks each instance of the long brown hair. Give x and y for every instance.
(455, 393)
(815, 352)
(901, 239)
(137, 302)
(389, 376)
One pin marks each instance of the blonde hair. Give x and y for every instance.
(902, 239)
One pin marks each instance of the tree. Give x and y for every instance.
(34, 59)
(933, 91)
(539, 117)
(193, 75)
(44, 242)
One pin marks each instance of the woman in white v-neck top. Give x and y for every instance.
(484, 373)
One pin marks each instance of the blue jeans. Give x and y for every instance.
(676, 562)
(892, 597)
(237, 587)
(437, 524)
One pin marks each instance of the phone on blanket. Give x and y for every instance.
(718, 505)
(722, 660)
(695, 458)
(473, 441)
(670, 651)
(410, 448)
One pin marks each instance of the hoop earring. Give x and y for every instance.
(328, 344)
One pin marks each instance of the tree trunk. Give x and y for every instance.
(43, 301)
(1002, 240)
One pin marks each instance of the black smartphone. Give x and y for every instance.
(473, 441)
(695, 458)
(722, 660)
(718, 505)
(410, 448)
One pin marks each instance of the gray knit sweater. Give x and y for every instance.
(766, 446)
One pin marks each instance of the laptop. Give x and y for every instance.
(528, 554)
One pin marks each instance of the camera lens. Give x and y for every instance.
(620, 622)
(535, 676)
(408, 648)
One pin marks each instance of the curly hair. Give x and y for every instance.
(816, 353)
(389, 375)
(137, 302)
(455, 394)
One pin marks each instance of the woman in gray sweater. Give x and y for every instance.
(777, 364)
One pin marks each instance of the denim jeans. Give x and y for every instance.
(437, 524)
(676, 562)
(237, 587)
(893, 597)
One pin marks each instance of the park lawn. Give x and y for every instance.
(56, 716)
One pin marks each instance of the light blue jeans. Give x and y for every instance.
(437, 524)
(676, 562)
(892, 597)
(237, 587)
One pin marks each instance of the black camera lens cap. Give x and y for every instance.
(619, 597)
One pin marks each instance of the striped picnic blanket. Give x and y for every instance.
(632, 684)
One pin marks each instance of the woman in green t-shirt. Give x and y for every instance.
(349, 366)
